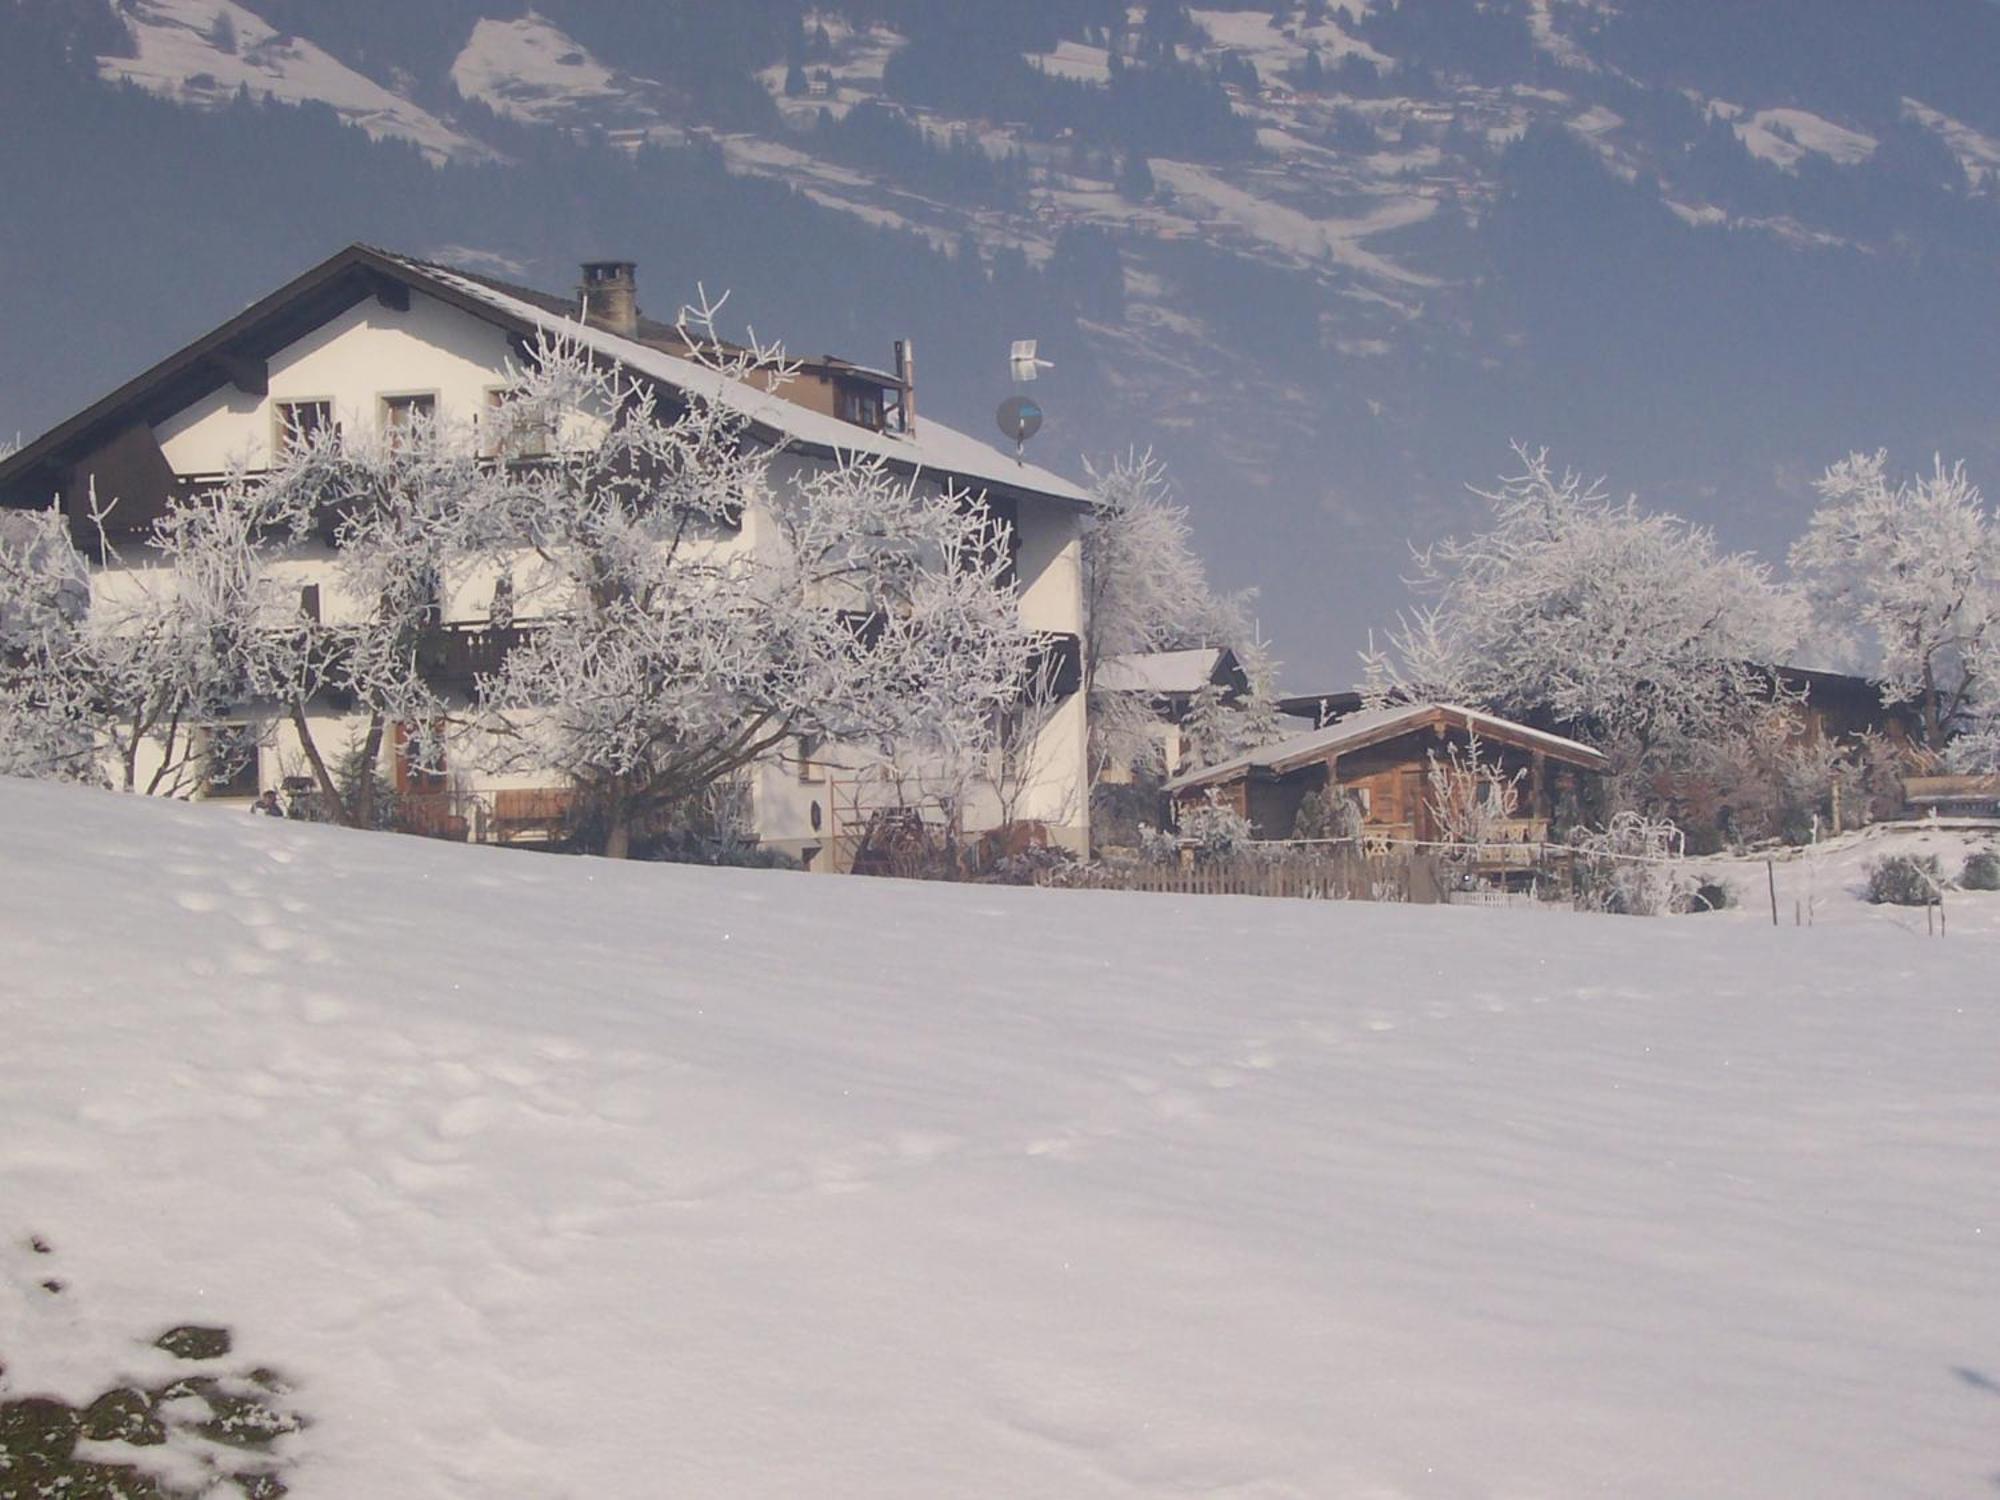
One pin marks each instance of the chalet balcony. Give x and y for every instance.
(456, 656)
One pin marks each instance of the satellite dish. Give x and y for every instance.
(1020, 417)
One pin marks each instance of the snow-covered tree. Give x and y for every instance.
(407, 512)
(1909, 571)
(663, 651)
(1145, 590)
(1632, 629)
(1471, 797)
(139, 674)
(46, 726)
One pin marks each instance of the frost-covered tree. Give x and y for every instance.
(1909, 571)
(133, 676)
(666, 650)
(1145, 590)
(1631, 629)
(46, 726)
(407, 511)
(1471, 797)
(1144, 586)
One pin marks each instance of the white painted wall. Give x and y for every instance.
(368, 352)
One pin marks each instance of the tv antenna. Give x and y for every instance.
(1020, 416)
(1024, 363)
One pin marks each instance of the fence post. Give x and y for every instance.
(1771, 878)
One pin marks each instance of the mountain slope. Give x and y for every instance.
(1328, 259)
(544, 1177)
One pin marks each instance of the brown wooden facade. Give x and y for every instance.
(1383, 761)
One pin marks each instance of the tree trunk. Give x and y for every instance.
(1933, 720)
(618, 837)
(329, 790)
(363, 812)
(617, 820)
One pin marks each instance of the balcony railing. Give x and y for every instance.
(456, 656)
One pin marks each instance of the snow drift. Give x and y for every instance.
(540, 1177)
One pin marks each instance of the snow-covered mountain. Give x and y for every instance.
(1327, 257)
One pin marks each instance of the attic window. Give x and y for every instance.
(297, 423)
(861, 405)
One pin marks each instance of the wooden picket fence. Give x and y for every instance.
(1330, 875)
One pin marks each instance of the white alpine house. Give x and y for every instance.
(377, 346)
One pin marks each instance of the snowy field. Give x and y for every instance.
(554, 1178)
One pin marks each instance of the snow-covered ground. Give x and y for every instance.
(1825, 883)
(549, 1178)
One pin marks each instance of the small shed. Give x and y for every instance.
(1382, 758)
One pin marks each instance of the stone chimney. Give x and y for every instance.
(608, 297)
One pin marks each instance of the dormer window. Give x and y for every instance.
(861, 405)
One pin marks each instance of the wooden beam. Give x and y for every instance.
(249, 374)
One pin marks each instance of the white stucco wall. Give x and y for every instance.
(366, 353)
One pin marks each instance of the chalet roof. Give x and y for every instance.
(1372, 727)
(237, 351)
(933, 448)
(1165, 673)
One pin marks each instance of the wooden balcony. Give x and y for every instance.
(455, 657)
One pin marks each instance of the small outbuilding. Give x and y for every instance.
(1382, 759)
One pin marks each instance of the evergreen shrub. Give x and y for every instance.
(1904, 880)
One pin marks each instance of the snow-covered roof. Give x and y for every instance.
(1371, 726)
(1159, 672)
(933, 448)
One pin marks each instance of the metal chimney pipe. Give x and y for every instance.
(906, 376)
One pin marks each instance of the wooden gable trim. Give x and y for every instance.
(1439, 720)
(249, 373)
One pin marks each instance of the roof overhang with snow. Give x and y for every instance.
(1167, 674)
(237, 353)
(1377, 726)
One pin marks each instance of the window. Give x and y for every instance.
(510, 432)
(406, 417)
(810, 768)
(861, 406)
(298, 423)
(309, 602)
(229, 761)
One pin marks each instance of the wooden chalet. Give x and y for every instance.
(1382, 758)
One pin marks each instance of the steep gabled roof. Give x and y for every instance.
(1372, 727)
(237, 351)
